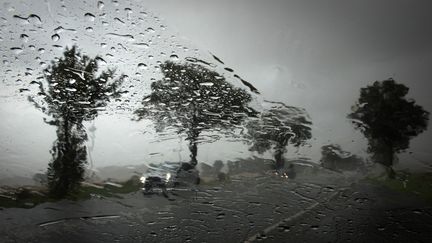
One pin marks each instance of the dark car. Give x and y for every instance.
(166, 176)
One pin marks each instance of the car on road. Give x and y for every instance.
(164, 177)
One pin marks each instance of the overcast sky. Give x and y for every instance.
(311, 54)
(316, 54)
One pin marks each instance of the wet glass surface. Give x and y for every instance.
(115, 126)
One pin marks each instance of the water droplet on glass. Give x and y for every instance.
(174, 57)
(55, 37)
(24, 37)
(206, 84)
(17, 50)
(58, 30)
(100, 61)
(100, 5)
(126, 36)
(119, 21)
(142, 66)
(89, 17)
(35, 19)
(142, 45)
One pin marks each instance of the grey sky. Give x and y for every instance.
(312, 54)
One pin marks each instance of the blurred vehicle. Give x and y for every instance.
(164, 177)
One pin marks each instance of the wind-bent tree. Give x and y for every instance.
(279, 126)
(74, 92)
(191, 99)
(388, 120)
(336, 159)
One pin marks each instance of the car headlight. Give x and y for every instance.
(143, 179)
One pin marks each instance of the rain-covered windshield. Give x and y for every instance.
(238, 121)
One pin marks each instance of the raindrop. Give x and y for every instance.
(89, 17)
(55, 37)
(220, 216)
(142, 45)
(41, 50)
(174, 57)
(100, 5)
(150, 30)
(17, 50)
(119, 21)
(89, 29)
(127, 37)
(59, 47)
(314, 227)
(71, 89)
(206, 84)
(35, 19)
(31, 18)
(100, 60)
(142, 66)
(58, 30)
(24, 37)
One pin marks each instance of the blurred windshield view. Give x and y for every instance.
(190, 121)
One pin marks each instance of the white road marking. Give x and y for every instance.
(286, 220)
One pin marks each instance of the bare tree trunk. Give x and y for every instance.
(194, 151)
(279, 160)
(193, 134)
(390, 172)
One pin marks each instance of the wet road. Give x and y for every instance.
(264, 208)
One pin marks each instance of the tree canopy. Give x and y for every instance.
(334, 158)
(74, 88)
(191, 98)
(278, 126)
(388, 119)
